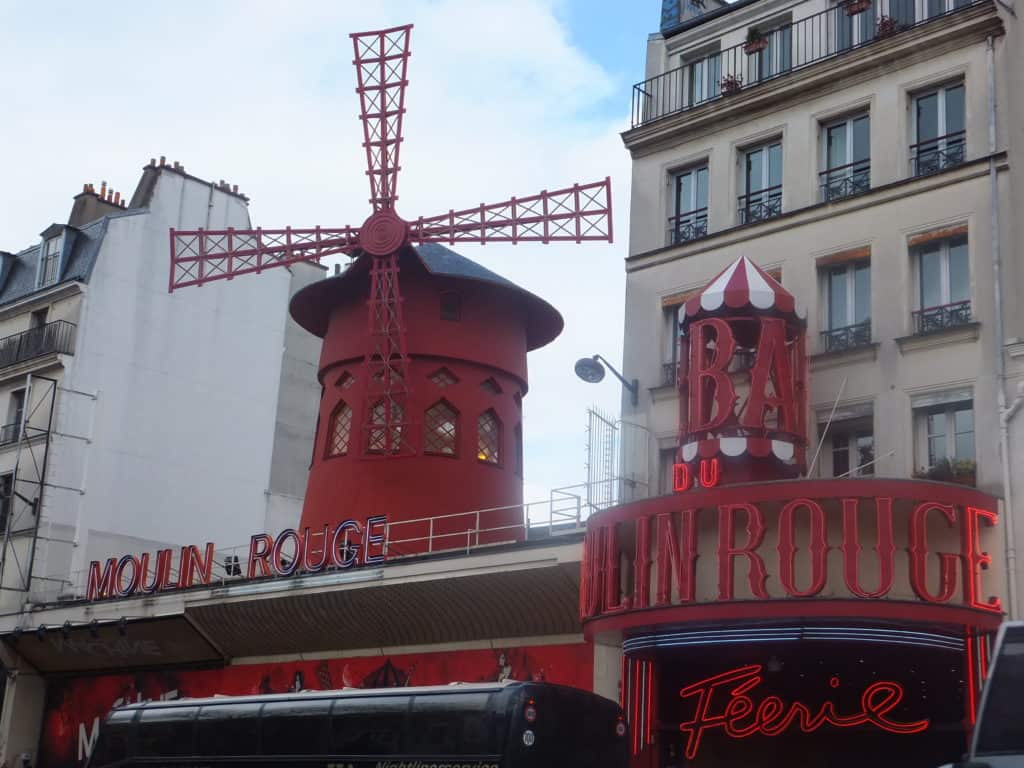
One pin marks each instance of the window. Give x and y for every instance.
(228, 729)
(847, 158)
(691, 213)
(762, 183)
(672, 342)
(491, 387)
(935, 8)
(776, 55)
(6, 502)
(385, 433)
(451, 306)
(854, 28)
(38, 318)
(703, 79)
(372, 725)
(346, 380)
(15, 413)
(944, 285)
(294, 727)
(945, 440)
(341, 430)
(848, 292)
(939, 132)
(853, 452)
(488, 428)
(666, 463)
(903, 12)
(518, 433)
(49, 266)
(440, 429)
(442, 378)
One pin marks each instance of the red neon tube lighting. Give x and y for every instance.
(969, 665)
(739, 716)
(650, 703)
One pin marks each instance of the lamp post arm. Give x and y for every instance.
(633, 387)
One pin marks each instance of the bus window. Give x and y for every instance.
(295, 727)
(1000, 731)
(368, 726)
(115, 743)
(166, 731)
(444, 724)
(228, 729)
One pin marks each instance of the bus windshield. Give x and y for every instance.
(476, 726)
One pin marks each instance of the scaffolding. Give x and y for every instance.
(21, 497)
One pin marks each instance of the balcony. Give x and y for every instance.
(688, 226)
(825, 35)
(937, 154)
(761, 206)
(845, 181)
(55, 337)
(933, 319)
(846, 338)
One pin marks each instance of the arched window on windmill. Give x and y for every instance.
(488, 440)
(385, 432)
(441, 429)
(340, 430)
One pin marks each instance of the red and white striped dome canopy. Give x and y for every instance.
(740, 285)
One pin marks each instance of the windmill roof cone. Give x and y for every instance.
(424, 354)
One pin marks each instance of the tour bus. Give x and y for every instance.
(475, 725)
(998, 738)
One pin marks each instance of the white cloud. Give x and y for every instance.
(262, 95)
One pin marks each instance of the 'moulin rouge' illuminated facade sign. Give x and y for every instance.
(745, 549)
(345, 545)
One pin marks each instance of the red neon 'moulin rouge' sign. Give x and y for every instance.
(723, 701)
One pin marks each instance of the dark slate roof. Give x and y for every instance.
(310, 307)
(81, 247)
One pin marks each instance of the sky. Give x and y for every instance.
(506, 97)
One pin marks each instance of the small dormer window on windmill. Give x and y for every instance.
(49, 269)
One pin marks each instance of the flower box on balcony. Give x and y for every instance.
(755, 45)
(853, 7)
(887, 25)
(731, 84)
(959, 471)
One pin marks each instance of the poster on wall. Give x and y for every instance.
(75, 706)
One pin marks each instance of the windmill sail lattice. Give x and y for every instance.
(579, 213)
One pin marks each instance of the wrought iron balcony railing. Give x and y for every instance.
(931, 319)
(848, 337)
(58, 336)
(758, 206)
(842, 28)
(937, 154)
(688, 226)
(845, 180)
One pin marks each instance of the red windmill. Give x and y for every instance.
(574, 214)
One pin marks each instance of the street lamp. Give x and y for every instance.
(591, 371)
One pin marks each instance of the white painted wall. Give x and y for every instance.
(182, 428)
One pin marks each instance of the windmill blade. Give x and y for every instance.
(575, 214)
(381, 61)
(201, 256)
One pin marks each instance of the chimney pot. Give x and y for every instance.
(235, 189)
(117, 198)
(163, 161)
(103, 189)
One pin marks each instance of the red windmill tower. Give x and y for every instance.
(380, 390)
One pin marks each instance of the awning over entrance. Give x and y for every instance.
(113, 645)
(516, 591)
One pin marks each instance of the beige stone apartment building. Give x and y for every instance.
(863, 153)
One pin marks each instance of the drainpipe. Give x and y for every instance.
(1005, 412)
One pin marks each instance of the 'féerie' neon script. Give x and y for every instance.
(741, 717)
